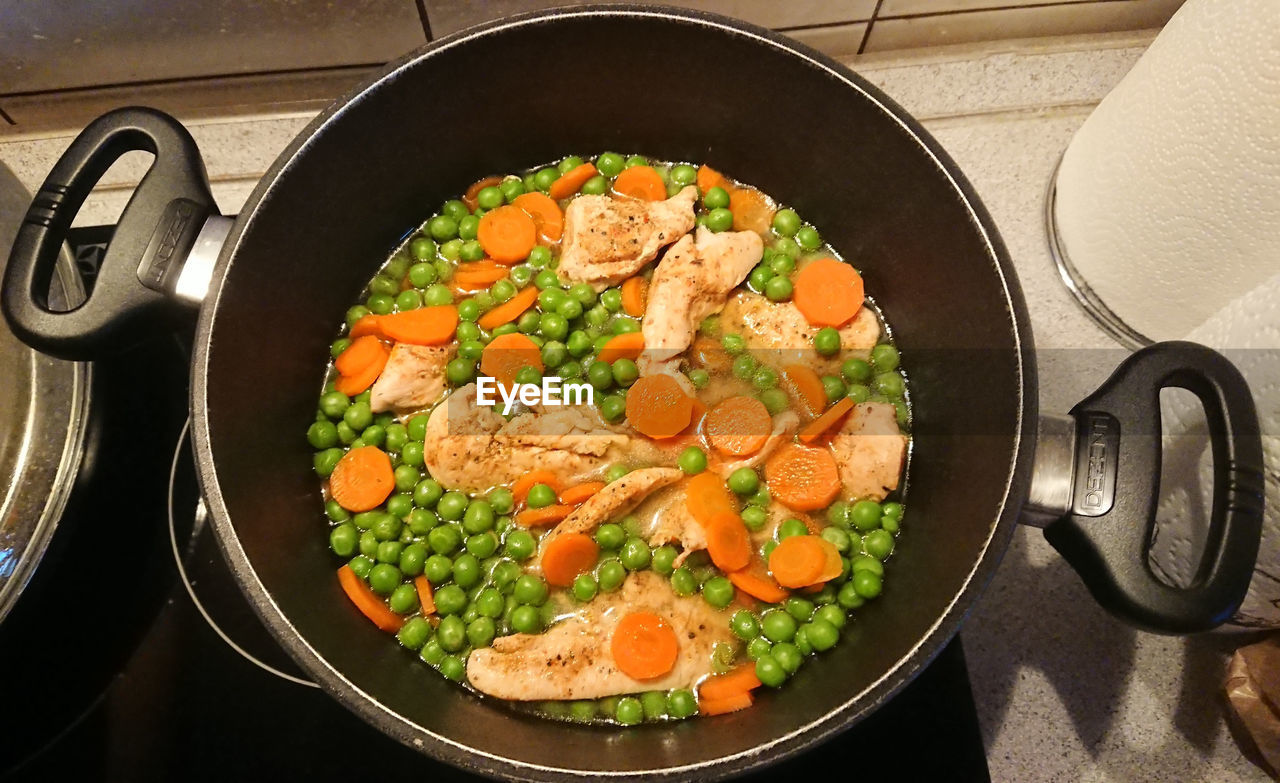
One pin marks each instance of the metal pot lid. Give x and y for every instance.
(44, 406)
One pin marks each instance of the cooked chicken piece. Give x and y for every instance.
(689, 284)
(778, 333)
(665, 519)
(607, 240)
(870, 450)
(573, 658)
(471, 447)
(617, 499)
(785, 425)
(413, 378)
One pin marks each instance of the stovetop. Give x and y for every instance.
(193, 702)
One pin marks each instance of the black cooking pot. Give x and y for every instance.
(675, 85)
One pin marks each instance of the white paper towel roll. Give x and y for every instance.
(1247, 330)
(1168, 197)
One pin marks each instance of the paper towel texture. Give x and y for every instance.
(1168, 197)
(1248, 332)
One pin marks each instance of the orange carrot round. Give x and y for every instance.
(738, 426)
(814, 430)
(807, 385)
(751, 210)
(509, 310)
(635, 293)
(568, 555)
(580, 493)
(520, 489)
(367, 601)
(658, 407)
(828, 292)
(572, 181)
(507, 234)
(362, 352)
(365, 326)
(797, 561)
(476, 274)
(833, 567)
(741, 679)
(803, 478)
(351, 385)
(472, 197)
(545, 212)
(709, 178)
(628, 345)
(542, 517)
(728, 542)
(640, 182)
(706, 496)
(423, 326)
(644, 646)
(506, 354)
(362, 479)
(738, 701)
(759, 586)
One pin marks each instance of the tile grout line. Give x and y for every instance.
(962, 11)
(804, 28)
(866, 34)
(5, 116)
(177, 81)
(426, 20)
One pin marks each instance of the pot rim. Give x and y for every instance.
(857, 705)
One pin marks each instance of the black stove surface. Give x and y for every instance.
(187, 706)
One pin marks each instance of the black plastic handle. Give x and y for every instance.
(1108, 533)
(155, 232)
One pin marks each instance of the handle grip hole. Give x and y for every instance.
(1180, 536)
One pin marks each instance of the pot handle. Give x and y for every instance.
(1110, 501)
(144, 270)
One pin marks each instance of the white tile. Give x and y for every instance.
(841, 40)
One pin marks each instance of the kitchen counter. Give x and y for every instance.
(1064, 691)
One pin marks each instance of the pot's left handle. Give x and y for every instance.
(146, 271)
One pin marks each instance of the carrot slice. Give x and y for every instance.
(738, 426)
(739, 701)
(742, 679)
(472, 197)
(658, 407)
(426, 596)
(805, 384)
(640, 182)
(365, 326)
(580, 492)
(509, 310)
(709, 178)
(751, 210)
(367, 601)
(828, 292)
(644, 646)
(758, 586)
(362, 479)
(728, 542)
(477, 274)
(351, 385)
(507, 234)
(506, 354)
(362, 352)
(706, 496)
(814, 430)
(572, 181)
(803, 478)
(568, 555)
(423, 326)
(545, 212)
(520, 489)
(833, 567)
(628, 345)
(798, 561)
(635, 293)
(542, 517)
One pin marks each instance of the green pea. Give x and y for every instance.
(629, 711)
(865, 515)
(432, 652)
(733, 344)
(386, 527)
(539, 257)
(799, 608)
(358, 415)
(554, 354)
(699, 378)
(437, 569)
(584, 587)
(759, 278)
(578, 344)
(521, 275)
(530, 590)
(570, 370)
(553, 326)
(334, 404)
(758, 648)
(454, 208)
(610, 536)
(719, 219)
(681, 704)
(764, 378)
(361, 565)
(770, 672)
(373, 435)
(878, 543)
(775, 400)
(343, 540)
(792, 527)
(452, 668)
(664, 558)
(354, 314)
(480, 632)
(744, 625)
(596, 186)
(451, 633)
(611, 298)
(422, 249)
(369, 544)
(482, 545)
(855, 371)
(490, 197)
(885, 358)
(890, 524)
(325, 461)
(412, 454)
(637, 160)
(526, 619)
(414, 633)
(858, 392)
(478, 517)
(782, 264)
(442, 228)
(761, 498)
(383, 578)
(635, 554)
(848, 596)
(568, 164)
(336, 512)
(528, 323)
(322, 435)
(406, 477)
(808, 238)
(600, 375)
(778, 626)
(718, 591)
(754, 517)
(408, 299)
(545, 177)
(890, 384)
(466, 570)
(381, 284)
(778, 289)
(569, 308)
(609, 164)
(540, 496)
(827, 341)
(892, 509)
(615, 472)
(389, 552)
(625, 372)
(744, 481)
(444, 539)
(613, 407)
(692, 460)
(437, 295)
(610, 574)
(417, 427)
(546, 280)
(716, 198)
(744, 366)
(822, 635)
(786, 222)
(833, 387)
(404, 599)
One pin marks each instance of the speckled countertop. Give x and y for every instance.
(1064, 692)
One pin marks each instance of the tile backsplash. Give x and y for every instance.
(62, 63)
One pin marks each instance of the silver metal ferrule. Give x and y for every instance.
(197, 271)
(1052, 471)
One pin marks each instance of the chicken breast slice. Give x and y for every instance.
(690, 283)
(779, 334)
(413, 378)
(870, 451)
(573, 659)
(607, 240)
(617, 499)
(471, 447)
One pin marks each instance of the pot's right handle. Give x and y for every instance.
(1110, 502)
(140, 276)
